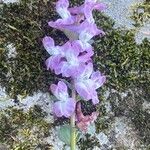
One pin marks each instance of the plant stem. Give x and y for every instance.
(72, 124)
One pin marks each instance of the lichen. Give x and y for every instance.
(131, 107)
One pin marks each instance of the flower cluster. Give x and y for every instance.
(73, 59)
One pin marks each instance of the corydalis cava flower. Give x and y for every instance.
(74, 59)
(65, 105)
(88, 81)
(78, 20)
(84, 121)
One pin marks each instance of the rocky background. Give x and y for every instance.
(26, 121)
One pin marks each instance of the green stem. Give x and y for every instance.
(72, 124)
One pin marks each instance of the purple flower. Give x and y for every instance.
(87, 82)
(57, 52)
(67, 58)
(87, 8)
(54, 63)
(71, 22)
(85, 34)
(86, 51)
(83, 84)
(98, 79)
(75, 58)
(65, 106)
(67, 18)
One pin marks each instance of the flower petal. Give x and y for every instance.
(69, 107)
(53, 62)
(57, 108)
(86, 71)
(86, 56)
(60, 91)
(95, 99)
(48, 44)
(64, 108)
(82, 90)
(98, 79)
(100, 6)
(76, 10)
(62, 9)
(88, 13)
(85, 34)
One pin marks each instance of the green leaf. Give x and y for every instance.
(64, 134)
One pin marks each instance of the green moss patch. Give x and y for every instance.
(141, 13)
(24, 25)
(20, 130)
(117, 55)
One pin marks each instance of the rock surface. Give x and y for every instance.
(122, 132)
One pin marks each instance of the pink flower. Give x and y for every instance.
(54, 62)
(65, 106)
(66, 17)
(84, 121)
(73, 59)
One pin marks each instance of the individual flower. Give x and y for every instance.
(72, 62)
(66, 17)
(65, 106)
(57, 52)
(84, 121)
(86, 31)
(67, 58)
(87, 81)
(86, 50)
(87, 9)
(71, 23)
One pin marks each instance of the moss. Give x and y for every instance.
(117, 55)
(141, 13)
(21, 130)
(141, 121)
(88, 142)
(24, 26)
(126, 66)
